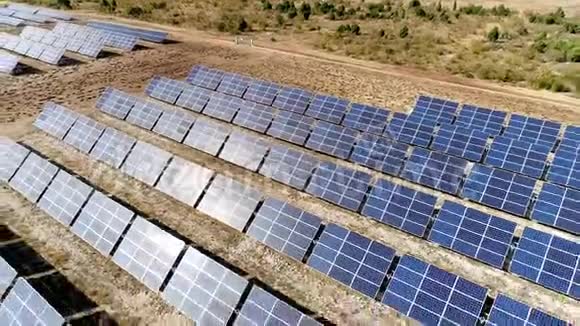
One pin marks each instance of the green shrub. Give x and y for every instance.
(266, 5)
(64, 4)
(280, 20)
(414, 3)
(285, 6)
(404, 32)
(135, 11)
(493, 35)
(234, 24)
(306, 10)
(159, 5)
(292, 13)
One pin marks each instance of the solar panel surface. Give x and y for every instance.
(174, 124)
(33, 176)
(352, 259)
(401, 207)
(145, 114)
(559, 207)
(288, 166)
(184, 181)
(205, 77)
(7, 275)
(116, 103)
(223, 107)
(328, 108)
(194, 98)
(293, 99)
(245, 150)
(165, 89)
(207, 136)
(548, 260)
(435, 109)
(8, 62)
(484, 119)
(234, 84)
(146, 162)
(570, 139)
(518, 156)
(331, 139)
(379, 153)
(148, 253)
(11, 157)
(565, 169)
(284, 228)
(84, 134)
(55, 120)
(409, 130)
(366, 118)
(113, 147)
(262, 92)
(473, 233)
(532, 130)
(255, 116)
(459, 141)
(291, 127)
(507, 311)
(433, 296)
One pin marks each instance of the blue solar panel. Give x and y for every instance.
(288, 166)
(327, 108)
(518, 156)
(433, 296)
(507, 311)
(331, 139)
(565, 169)
(244, 150)
(205, 77)
(352, 259)
(379, 153)
(435, 170)
(234, 84)
(165, 89)
(291, 127)
(255, 116)
(262, 92)
(559, 207)
(459, 141)
(484, 119)
(434, 109)
(401, 207)
(501, 189)
(293, 99)
(473, 233)
(284, 227)
(194, 98)
(223, 107)
(366, 118)
(409, 130)
(571, 139)
(207, 136)
(549, 261)
(532, 130)
(339, 185)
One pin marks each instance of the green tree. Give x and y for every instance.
(404, 32)
(306, 10)
(493, 35)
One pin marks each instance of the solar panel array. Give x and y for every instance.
(380, 154)
(532, 130)
(11, 21)
(565, 169)
(484, 119)
(459, 141)
(518, 156)
(11, 157)
(33, 176)
(90, 44)
(8, 62)
(507, 311)
(288, 166)
(7, 276)
(144, 34)
(331, 139)
(407, 129)
(434, 109)
(558, 206)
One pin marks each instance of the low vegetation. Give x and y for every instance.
(493, 43)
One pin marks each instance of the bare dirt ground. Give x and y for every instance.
(78, 86)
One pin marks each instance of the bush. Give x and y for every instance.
(109, 6)
(420, 12)
(404, 32)
(64, 4)
(159, 5)
(292, 13)
(306, 10)
(572, 28)
(280, 20)
(135, 11)
(266, 5)
(353, 29)
(285, 6)
(233, 24)
(414, 3)
(493, 35)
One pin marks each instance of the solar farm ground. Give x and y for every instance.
(127, 300)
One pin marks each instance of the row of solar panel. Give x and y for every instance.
(28, 285)
(83, 45)
(39, 11)
(468, 231)
(523, 146)
(494, 187)
(10, 21)
(108, 38)
(23, 16)
(8, 62)
(45, 53)
(199, 287)
(140, 33)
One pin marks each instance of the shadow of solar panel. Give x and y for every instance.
(174, 124)
(113, 147)
(501, 189)
(339, 185)
(262, 308)
(145, 114)
(245, 150)
(7, 61)
(184, 181)
(205, 77)
(507, 311)
(400, 207)
(84, 134)
(64, 197)
(7, 275)
(473, 233)
(532, 130)
(223, 107)
(293, 99)
(11, 157)
(165, 89)
(262, 92)
(288, 166)
(194, 98)
(146, 162)
(25, 306)
(55, 120)
(366, 118)
(484, 119)
(204, 290)
(207, 136)
(24, 259)
(229, 201)
(462, 142)
(234, 84)
(328, 108)
(565, 169)
(33, 177)
(331, 139)
(434, 109)
(102, 222)
(380, 154)
(116, 103)
(352, 259)
(148, 253)
(518, 156)
(284, 228)
(255, 116)
(291, 127)
(549, 261)
(559, 207)
(435, 170)
(408, 130)
(571, 139)
(433, 296)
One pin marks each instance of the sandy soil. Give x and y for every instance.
(77, 86)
